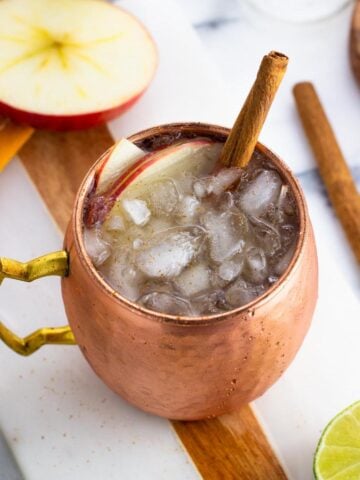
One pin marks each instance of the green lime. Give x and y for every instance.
(337, 456)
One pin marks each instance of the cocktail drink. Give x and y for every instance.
(172, 231)
(188, 287)
(223, 274)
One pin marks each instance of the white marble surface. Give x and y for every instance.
(60, 420)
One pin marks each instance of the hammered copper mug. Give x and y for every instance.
(177, 367)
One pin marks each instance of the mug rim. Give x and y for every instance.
(183, 320)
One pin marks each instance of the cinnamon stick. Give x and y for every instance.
(334, 171)
(355, 42)
(241, 142)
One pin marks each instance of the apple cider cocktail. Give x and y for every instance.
(173, 232)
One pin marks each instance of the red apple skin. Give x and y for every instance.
(66, 122)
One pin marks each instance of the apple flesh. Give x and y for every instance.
(117, 160)
(189, 156)
(68, 64)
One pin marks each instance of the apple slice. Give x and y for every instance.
(116, 161)
(71, 64)
(191, 156)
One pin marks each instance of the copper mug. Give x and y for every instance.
(177, 367)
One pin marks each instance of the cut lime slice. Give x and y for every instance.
(337, 456)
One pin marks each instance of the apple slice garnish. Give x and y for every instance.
(189, 156)
(117, 160)
(71, 64)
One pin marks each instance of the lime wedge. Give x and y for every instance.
(337, 456)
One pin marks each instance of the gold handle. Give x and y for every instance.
(56, 263)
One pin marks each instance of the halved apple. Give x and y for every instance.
(71, 64)
(189, 156)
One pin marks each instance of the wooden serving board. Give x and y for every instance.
(229, 447)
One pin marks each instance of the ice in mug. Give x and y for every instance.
(187, 241)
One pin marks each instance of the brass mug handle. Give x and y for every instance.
(56, 263)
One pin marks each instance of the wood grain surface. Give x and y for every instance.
(231, 447)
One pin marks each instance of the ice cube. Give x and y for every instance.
(115, 223)
(273, 279)
(203, 187)
(97, 249)
(225, 201)
(124, 277)
(157, 285)
(163, 197)
(260, 192)
(287, 233)
(255, 265)
(286, 203)
(240, 293)
(217, 184)
(281, 204)
(187, 209)
(137, 211)
(226, 233)
(137, 243)
(283, 194)
(167, 253)
(166, 303)
(209, 303)
(267, 236)
(284, 207)
(230, 269)
(284, 261)
(193, 280)
(224, 179)
(156, 225)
